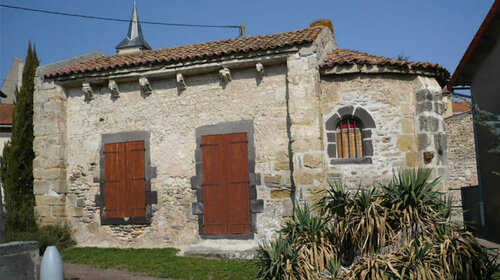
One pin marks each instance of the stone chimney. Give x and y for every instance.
(134, 42)
(323, 22)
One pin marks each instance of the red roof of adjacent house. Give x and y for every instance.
(460, 107)
(202, 50)
(6, 112)
(350, 57)
(474, 46)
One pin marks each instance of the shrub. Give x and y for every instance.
(397, 231)
(47, 235)
(276, 259)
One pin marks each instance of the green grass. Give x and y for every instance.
(161, 263)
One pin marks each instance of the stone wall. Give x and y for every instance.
(461, 155)
(19, 260)
(171, 117)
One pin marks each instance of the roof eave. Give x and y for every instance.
(340, 69)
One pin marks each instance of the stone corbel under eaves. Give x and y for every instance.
(145, 85)
(87, 91)
(260, 70)
(113, 86)
(169, 71)
(181, 83)
(225, 74)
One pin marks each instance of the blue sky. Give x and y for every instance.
(425, 30)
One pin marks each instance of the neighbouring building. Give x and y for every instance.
(13, 80)
(478, 71)
(6, 114)
(219, 140)
(462, 171)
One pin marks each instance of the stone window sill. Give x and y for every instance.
(363, 160)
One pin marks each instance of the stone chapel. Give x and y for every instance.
(213, 144)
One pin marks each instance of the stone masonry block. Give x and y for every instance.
(71, 199)
(408, 125)
(41, 200)
(75, 211)
(59, 210)
(41, 187)
(365, 117)
(280, 194)
(406, 143)
(303, 178)
(332, 150)
(42, 211)
(332, 122)
(282, 163)
(439, 108)
(346, 111)
(59, 186)
(428, 123)
(411, 160)
(421, 94)
(423, 141)
(424, 107)
(50, 174)
(406, 109)
(272, 181)
(440, 141)
(313, 160)
(331, 137)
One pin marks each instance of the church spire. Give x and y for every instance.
(134, 42)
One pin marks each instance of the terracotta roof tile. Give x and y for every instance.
(460, 107)
(187, 52)
(350, 57)
(6, 113)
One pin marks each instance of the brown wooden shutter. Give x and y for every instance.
(213, 185)
(225, 184)
(238, 200)
(136, 179)
(124, 180)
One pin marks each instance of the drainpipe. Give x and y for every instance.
(474, 125)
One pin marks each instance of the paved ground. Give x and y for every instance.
(492, 246)
(83, 272)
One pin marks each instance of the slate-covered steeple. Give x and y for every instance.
(134, 42)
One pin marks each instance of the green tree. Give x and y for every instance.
(16, 172)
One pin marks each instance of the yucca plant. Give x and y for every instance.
(314, 251)
(334, 201)
(462, 256)
(365, 224)
(277, 258)
(414, 199)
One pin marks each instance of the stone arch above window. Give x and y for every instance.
(349, 136)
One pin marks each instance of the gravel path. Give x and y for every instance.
(83, 272)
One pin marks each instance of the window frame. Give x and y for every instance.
(366, 123)
(149, 170)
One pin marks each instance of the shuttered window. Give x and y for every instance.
(226, 200)
(349, 139)
(125, 182)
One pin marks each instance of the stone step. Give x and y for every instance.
(222, 249)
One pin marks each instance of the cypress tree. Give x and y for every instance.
(17, 161)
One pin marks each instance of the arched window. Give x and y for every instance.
(348, 136)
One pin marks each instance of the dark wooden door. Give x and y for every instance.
(226, 198)
(124, 180)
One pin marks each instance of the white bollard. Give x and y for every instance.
(52, 265)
